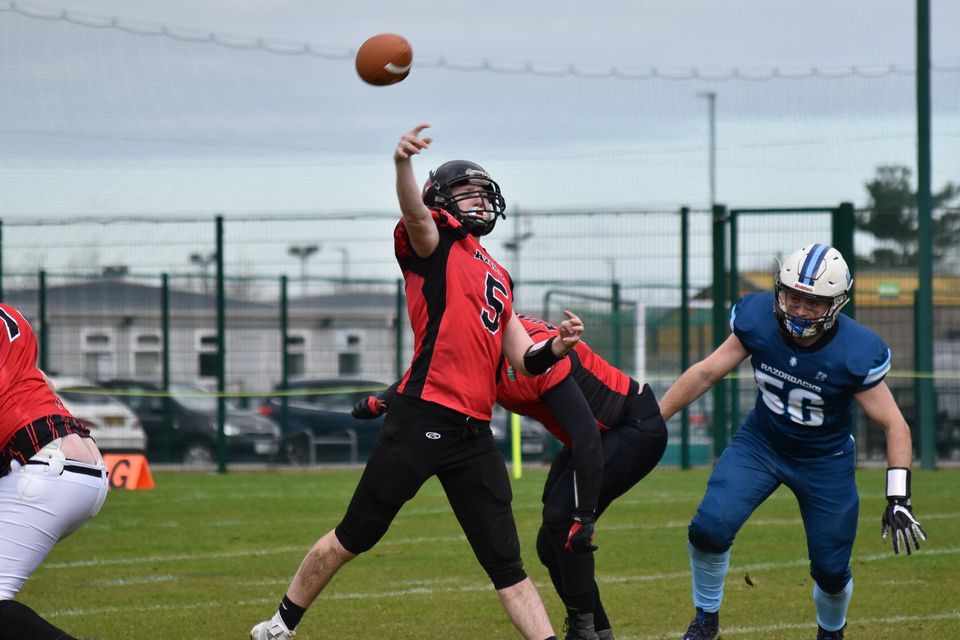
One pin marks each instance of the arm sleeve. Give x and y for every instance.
(571, 410)
(386, 396)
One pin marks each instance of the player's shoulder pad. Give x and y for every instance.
(867, 356)
(535, 326)
(446, 221)
(750, 311)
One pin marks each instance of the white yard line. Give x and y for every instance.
(768, 630)
(429, 588)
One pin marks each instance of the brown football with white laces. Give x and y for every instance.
(384, 59)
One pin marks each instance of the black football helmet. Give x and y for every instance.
(437, 195)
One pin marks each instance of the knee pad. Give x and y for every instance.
(502, 563)
(707, 538)
(506, 575)
(556, 515)
(544, 550)
(657, 429)
(831, 582)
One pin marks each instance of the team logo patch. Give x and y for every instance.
(433, 435)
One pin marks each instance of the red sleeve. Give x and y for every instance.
(553, 376)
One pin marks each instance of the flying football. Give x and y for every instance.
(384, 59)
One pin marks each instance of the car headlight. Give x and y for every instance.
(230, 429)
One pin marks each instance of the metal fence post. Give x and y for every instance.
(167, 447)
(719, 324)
(42, 318)
(843, 223)
(221, 353)
(284, 355)
(734, 296)
(615, 338)
(398, 326)
(684, 330)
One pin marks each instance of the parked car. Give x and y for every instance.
(113, 426)
(536, 443)
(317, 425)
(192, 437)
(321, 407)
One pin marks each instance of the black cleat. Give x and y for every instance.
(706, 626)
(579, 626)
(823, 634)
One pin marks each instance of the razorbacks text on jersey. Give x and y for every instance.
(459, 300)
(805, 394)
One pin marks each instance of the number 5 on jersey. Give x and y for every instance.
(490, 314)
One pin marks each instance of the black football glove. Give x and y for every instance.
(581, 535)
(898, 519)
(369, 408)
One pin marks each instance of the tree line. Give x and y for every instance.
(892, 218)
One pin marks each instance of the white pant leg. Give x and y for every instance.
(39, 505)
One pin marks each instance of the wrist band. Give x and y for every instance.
(540, 357)
(898, 482)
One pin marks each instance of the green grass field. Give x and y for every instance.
(207, 556)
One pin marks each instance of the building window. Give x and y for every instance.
(296, 354)
(207, 355)
(146, 351)
(348, 363)
(99, 354)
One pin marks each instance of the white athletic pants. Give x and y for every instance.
(39, 505)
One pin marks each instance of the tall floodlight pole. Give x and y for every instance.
(303, 252)
(711, 97)
(203, 260)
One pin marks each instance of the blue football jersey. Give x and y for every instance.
(805, 394)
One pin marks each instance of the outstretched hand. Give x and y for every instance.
(571, 330)
(899, 523)
(412, 143)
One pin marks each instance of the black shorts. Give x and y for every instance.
(421, 439)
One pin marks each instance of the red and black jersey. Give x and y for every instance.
(459, 300)
(606, 388)
(31, 415)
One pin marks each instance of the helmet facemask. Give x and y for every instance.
(816, 272)
(438, 194)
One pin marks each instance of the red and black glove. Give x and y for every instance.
(369, 408)
(581, 535)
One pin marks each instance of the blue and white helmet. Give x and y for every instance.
(818, 272)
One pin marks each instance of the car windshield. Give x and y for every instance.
(81, 396)
(196, 398)
(337, 398)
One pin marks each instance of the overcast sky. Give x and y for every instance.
(120, 108)
(99, 120)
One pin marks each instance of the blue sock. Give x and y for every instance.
(832, 607)
(708, 572)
